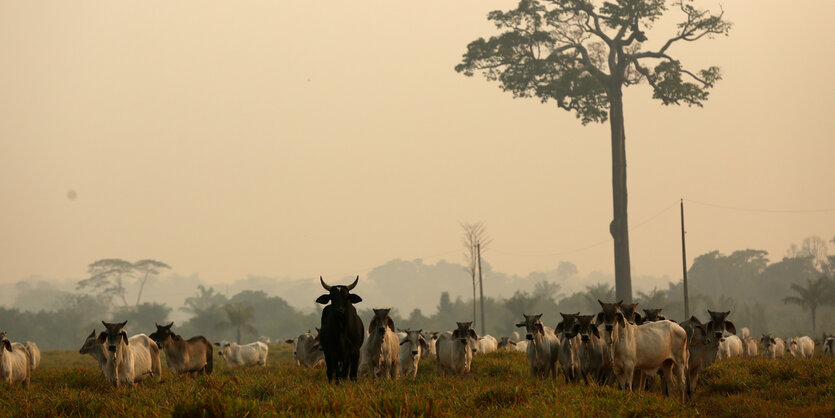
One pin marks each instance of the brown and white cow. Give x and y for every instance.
(703, 350)
(184, 356)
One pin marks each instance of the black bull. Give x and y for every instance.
(342, 331)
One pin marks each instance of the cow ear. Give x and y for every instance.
(404, 341)
(521, 324)
(598, 319)
(7, 345)
(662, 317)
(372, 325)
(621, 319)
(124, 336)
(324, 299)
(390, 324)
(455, 334)
(638, 318)
(354, 298)
(559, 327)
(730, 327)
(512, 342)
(474, 335)
(595, 331)
(539, 327)
(102, 337)
(176, 337)
(218, 344)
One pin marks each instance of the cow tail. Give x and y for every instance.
(209, 355)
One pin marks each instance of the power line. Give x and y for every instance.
(761, 210)
(636, 226)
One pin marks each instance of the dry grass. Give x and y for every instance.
(69, 384)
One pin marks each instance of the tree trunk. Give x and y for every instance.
(141, 286)
(813, 320)
(239, 336)
(619, 228)
(474, 300)
(481, 292)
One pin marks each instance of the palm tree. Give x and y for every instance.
(810, 297)
(599, 291)
(239, 315)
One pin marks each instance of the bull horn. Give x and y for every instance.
(352, 285)
(328, 288)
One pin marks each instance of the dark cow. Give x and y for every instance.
(652, 315)
(719, 324)
(184, 356)
(342, 331)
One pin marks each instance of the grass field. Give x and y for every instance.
(69, 384)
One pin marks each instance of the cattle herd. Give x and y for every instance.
(616, 346)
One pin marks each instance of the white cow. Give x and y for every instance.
(521, 346)
(15, 365)
(594, 359)
(729, 347)
(542, 348)
(146, 355)
(307, 352)
(412, 346)
(750, 347)
(380, 352)
(34, 353)
(649, 347)
(244, 355)
(454, 348)
(802, 347)
(128, 360)
(431, 338)
(486, 344)
(773, 347)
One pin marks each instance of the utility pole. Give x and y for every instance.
(684, 266)
(481, 289)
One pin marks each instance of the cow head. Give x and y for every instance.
(612, 315)
(719, 324)
(630, 311)
(830, 344)
(652, 315)
(381, 321)
(697, 333)
(533, 325)
(416, 341)
(505, 343)
(6, 344)
(464, 332)
(113, 335)
(225, 349)
(585, 327)
(340, 297)
(566, 326)
(90, 344)
(163, 335)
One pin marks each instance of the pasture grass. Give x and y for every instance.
(69, 384)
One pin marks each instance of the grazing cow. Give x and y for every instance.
(411, 349)
(307, 352)
(380, 353)
(506, 344)
(653, 315)
(244, 355)
(702, 349)
(773, 347)
(829, 347)
(802, 347)
(342, 332)
(184, 356)
(594, 361)
(730, 346)
(455, 353)
(95, 349)
(15, 364)
(486, 344)
(649, 347)
(569, 351)
(543, 347)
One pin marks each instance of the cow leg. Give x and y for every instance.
(679, 371)
(352, 366)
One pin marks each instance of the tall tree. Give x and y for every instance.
(581, 54)
(147, 268)
(108, 276)
(815, 293)
(239, 316)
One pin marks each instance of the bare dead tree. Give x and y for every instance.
(475, 239)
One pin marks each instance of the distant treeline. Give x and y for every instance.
(744, 282)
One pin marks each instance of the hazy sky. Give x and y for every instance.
(293, 139)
